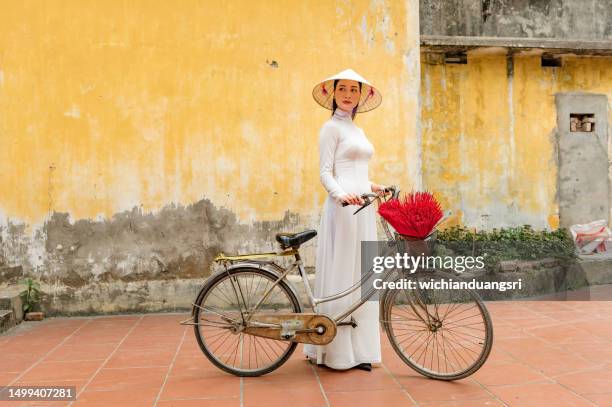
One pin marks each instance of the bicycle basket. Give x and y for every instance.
(414, 246)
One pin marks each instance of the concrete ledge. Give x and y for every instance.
(552, 280)
(515, 42)
(597, 271)
(7, 320)
(543, 277)
(11, 308)
(444, 43)
(141, 296)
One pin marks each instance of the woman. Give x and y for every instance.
(344, 152)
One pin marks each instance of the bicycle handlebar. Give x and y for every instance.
(393, 189)
(394, 194)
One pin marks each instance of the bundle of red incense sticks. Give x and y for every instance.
(415, 215)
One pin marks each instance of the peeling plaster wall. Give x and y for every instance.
(138, 139)
(561, 19)
(490, 134)
(134, 261)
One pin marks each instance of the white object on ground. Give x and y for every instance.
(593, 237)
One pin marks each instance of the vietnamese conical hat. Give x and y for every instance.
(323, 92)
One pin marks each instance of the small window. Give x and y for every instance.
(583, 122)
(455, 58)
(550, 61)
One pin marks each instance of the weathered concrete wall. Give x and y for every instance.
(137, 139)
(583, 160)
(489, 130)
(561, 19)
(134, 261)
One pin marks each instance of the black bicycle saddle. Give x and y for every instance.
(294, 239)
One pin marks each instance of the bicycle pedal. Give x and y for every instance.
(352, 323)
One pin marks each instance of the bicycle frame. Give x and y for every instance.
(251, 260)
(314, 301)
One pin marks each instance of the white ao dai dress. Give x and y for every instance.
(344, 152)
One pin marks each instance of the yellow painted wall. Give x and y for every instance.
(488, 139)
(106, 105)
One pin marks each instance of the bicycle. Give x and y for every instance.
(251, 302)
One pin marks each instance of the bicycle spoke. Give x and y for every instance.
(221, 342)
(441, 333)
(461, 344)
(239, 346)
(453, 352)
(257, 288)
(263, 348)
(220, 324)
(473, 306)
(466, 334)
(428, 334)
(467, 326)
(446, 359)
(456, 353)
(462, 319)
(249, 287)
(413, 340)
(226, 295)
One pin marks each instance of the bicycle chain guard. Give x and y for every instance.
(316, 329)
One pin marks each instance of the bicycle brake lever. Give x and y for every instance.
(369, 198)
(364, 197)
(368, 202)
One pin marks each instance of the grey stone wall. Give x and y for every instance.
(559, 19)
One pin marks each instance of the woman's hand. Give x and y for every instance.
(353, 199)
(379, 189)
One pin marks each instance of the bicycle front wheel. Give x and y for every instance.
(222, 309)
(443, 334)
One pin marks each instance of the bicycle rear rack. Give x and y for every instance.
(223, 258)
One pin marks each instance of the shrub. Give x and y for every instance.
(31, 295)
(518, 243)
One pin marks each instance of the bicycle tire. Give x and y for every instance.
(219, 278)
(389, 299)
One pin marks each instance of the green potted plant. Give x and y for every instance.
(30, 298)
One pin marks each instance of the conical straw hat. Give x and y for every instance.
(323, 93)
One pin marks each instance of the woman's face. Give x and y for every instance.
(347, 94)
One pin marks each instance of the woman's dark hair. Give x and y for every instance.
(335, 106)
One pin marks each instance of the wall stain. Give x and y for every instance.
(174, 247)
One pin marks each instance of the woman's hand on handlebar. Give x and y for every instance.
(352, 199)
(380, 190)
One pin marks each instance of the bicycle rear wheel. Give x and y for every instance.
(444, 334)
(221, 309)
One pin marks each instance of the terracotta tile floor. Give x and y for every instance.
(544, 354)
